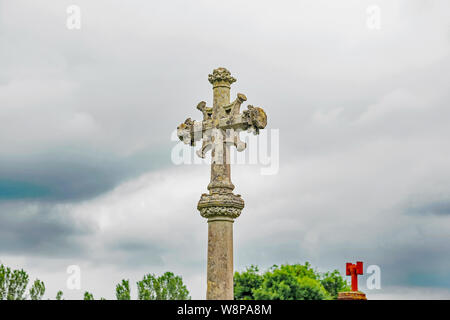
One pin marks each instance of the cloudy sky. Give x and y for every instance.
(86, 135)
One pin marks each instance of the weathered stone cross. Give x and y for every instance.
(218, 131)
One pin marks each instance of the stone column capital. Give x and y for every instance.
(220, 206)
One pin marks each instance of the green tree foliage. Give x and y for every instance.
(88, 296)
(282, 285)
(166, 287)
(59, 295)
(288, 282)
(37, 290)
(245, 282)
(333, 282)
(123, 290)
(13, 285)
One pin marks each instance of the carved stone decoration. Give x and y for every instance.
(220, 205)
(221, 75)
(218, 131)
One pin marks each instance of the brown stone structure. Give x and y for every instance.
(218, 131)
(352, 295)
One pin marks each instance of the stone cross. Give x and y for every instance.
(218, 131)
(354, 270)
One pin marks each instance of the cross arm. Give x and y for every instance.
(191, 131)
(230, 122)
(253, 119)
(234, 107)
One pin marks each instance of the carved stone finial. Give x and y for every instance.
(221, 76)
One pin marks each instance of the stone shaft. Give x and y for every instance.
(220, 260)
(220, 166)
(220, 228)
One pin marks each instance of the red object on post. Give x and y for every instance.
(354, 270)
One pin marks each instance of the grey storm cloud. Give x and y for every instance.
(134, 253)
(435, 208)
(37, 229)
(71, 175)
(87, 118)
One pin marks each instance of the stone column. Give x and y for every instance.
(220, 259)
(220, 206)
